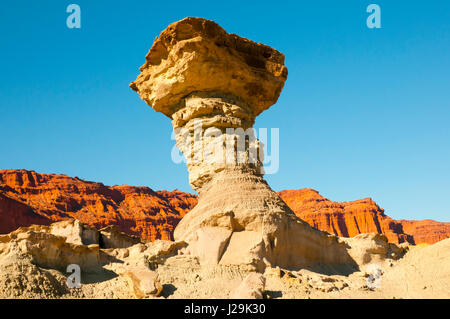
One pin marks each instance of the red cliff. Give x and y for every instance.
(32, 198)
(426, 231)
(349, 219)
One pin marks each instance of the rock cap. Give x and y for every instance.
(197, 55)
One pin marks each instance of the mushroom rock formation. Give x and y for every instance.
(211, 84)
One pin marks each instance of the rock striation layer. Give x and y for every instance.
(426, 231)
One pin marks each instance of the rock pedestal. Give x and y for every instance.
(213, 85)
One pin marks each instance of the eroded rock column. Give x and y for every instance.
(214, 132)
(213, 85)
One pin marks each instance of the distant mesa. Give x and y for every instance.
(348, 219)
(27, 198)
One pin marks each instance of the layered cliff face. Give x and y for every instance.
(348, 219)
(15, 214)
(426, 231)
(28, 198)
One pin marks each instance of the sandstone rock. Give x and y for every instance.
(33, 263)
(75, 232)
(252, 287)
(142, 282)
(22, 279)
(372, 248)
(111, 237)
(149, 255)
(49, 251)
(209, 81)
(244, 248)
(164, 247)
(423, 266)
(209, 244)
(194, 49)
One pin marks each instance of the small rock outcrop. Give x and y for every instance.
(44, 249)
(34, 262)
(112, 237)
(76, 232)
(143, 282)
(252, 287)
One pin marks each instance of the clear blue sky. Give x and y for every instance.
(364, 112)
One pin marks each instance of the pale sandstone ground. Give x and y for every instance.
(33, 262)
